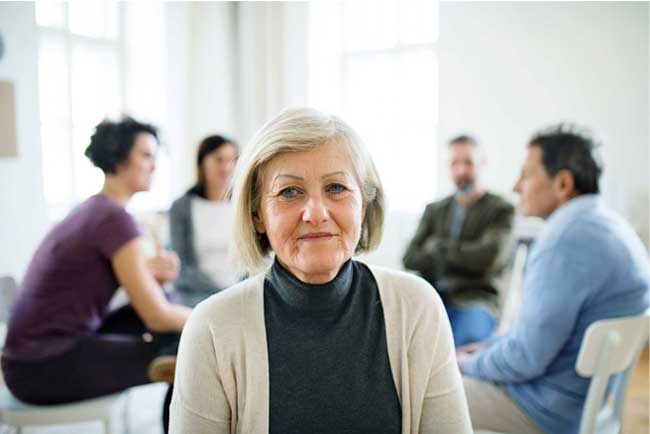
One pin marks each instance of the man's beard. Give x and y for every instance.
(466, 186)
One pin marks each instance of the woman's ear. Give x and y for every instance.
(258, 223)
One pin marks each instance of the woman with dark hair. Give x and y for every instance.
(63, 344)
(201, 222)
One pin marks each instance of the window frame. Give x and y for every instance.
(58, 209)
(347, 56)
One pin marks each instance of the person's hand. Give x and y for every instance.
(466, 350)
(164, 265)
(471, 197)
(431, 244)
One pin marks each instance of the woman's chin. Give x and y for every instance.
(323, 269)
(143, 187)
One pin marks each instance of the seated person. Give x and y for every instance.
(458, 244)
(586, 265)
(319, 342)
(201, 224)
(63, 344)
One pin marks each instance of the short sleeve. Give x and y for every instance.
(116, 229)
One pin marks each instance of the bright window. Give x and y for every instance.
(80, 83)
(87, 73)
(375, 64)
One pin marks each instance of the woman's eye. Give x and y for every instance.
(289, 192)
(336, 188)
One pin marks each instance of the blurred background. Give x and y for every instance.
(407, 75)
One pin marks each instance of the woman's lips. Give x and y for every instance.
(316, 236)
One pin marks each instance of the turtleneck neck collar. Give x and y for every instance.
(312, 297)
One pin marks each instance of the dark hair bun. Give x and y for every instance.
(112, 142)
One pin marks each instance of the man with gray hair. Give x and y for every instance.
(586, 265)
(458, 244)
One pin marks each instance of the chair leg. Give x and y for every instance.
(125, 413)
(108, 427)
(114, 424)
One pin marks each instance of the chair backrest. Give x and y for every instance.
(609, 347)
(511, 299)
(8, 289)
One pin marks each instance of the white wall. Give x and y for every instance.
(23, 218)
(231, 66)
(179, 137)
(507, 69)
(213, 70)
(272, 61)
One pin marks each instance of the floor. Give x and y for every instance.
(635, 415)
(145, 404)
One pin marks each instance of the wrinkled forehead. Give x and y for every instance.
(329, 159)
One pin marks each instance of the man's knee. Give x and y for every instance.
(472, 324)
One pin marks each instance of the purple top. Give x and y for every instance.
(70, 280)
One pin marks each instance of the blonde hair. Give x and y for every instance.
(297, 130)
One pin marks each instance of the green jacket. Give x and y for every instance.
(469, 265)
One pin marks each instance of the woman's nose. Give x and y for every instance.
(315, 210)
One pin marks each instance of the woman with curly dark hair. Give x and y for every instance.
(63, 343)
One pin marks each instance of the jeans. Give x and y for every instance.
(470, 324)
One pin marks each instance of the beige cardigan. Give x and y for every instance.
(222, 375)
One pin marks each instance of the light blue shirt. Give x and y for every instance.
(586, 265)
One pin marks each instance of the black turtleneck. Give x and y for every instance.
(328, 359)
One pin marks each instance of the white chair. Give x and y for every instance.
(7, 296)
(106, 409)
(17, 414)
(609, 347)
(511, 297)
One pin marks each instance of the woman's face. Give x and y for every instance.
(218, 166)
(137, 170)
(311, 210)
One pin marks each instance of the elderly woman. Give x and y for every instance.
(319, 343)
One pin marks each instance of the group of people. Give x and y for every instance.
(306, 338)
(587, 264)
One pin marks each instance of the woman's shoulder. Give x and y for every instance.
(231, 305)
(100, 211)
(401, 289)
(225, 320)
(407, 284)
(182, 203)
(99, 204)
